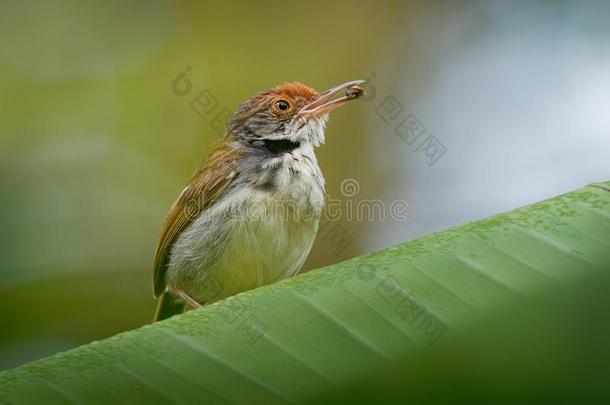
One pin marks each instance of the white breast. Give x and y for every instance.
(251, 237)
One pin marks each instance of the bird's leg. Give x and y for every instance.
(188, 299)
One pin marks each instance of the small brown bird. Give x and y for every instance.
(250, 213)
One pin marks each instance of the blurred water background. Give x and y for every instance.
(474, 108)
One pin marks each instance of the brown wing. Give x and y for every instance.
(206, 185)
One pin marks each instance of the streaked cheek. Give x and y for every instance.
(264, 126)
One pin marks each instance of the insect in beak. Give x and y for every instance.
(324, 103)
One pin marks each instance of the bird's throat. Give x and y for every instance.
(278, 146)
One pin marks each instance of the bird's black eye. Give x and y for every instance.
(282, 105)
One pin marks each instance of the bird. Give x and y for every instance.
(250, 213)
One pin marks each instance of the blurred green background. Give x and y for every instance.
(95, 145)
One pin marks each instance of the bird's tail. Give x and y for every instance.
(167, 306)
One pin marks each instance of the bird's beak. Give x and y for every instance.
(324, 103)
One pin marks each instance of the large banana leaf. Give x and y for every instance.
(290, 341)
(549, 349)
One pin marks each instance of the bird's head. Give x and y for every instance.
(289, 113)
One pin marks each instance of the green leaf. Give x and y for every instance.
(548, 349)
(293, 340)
